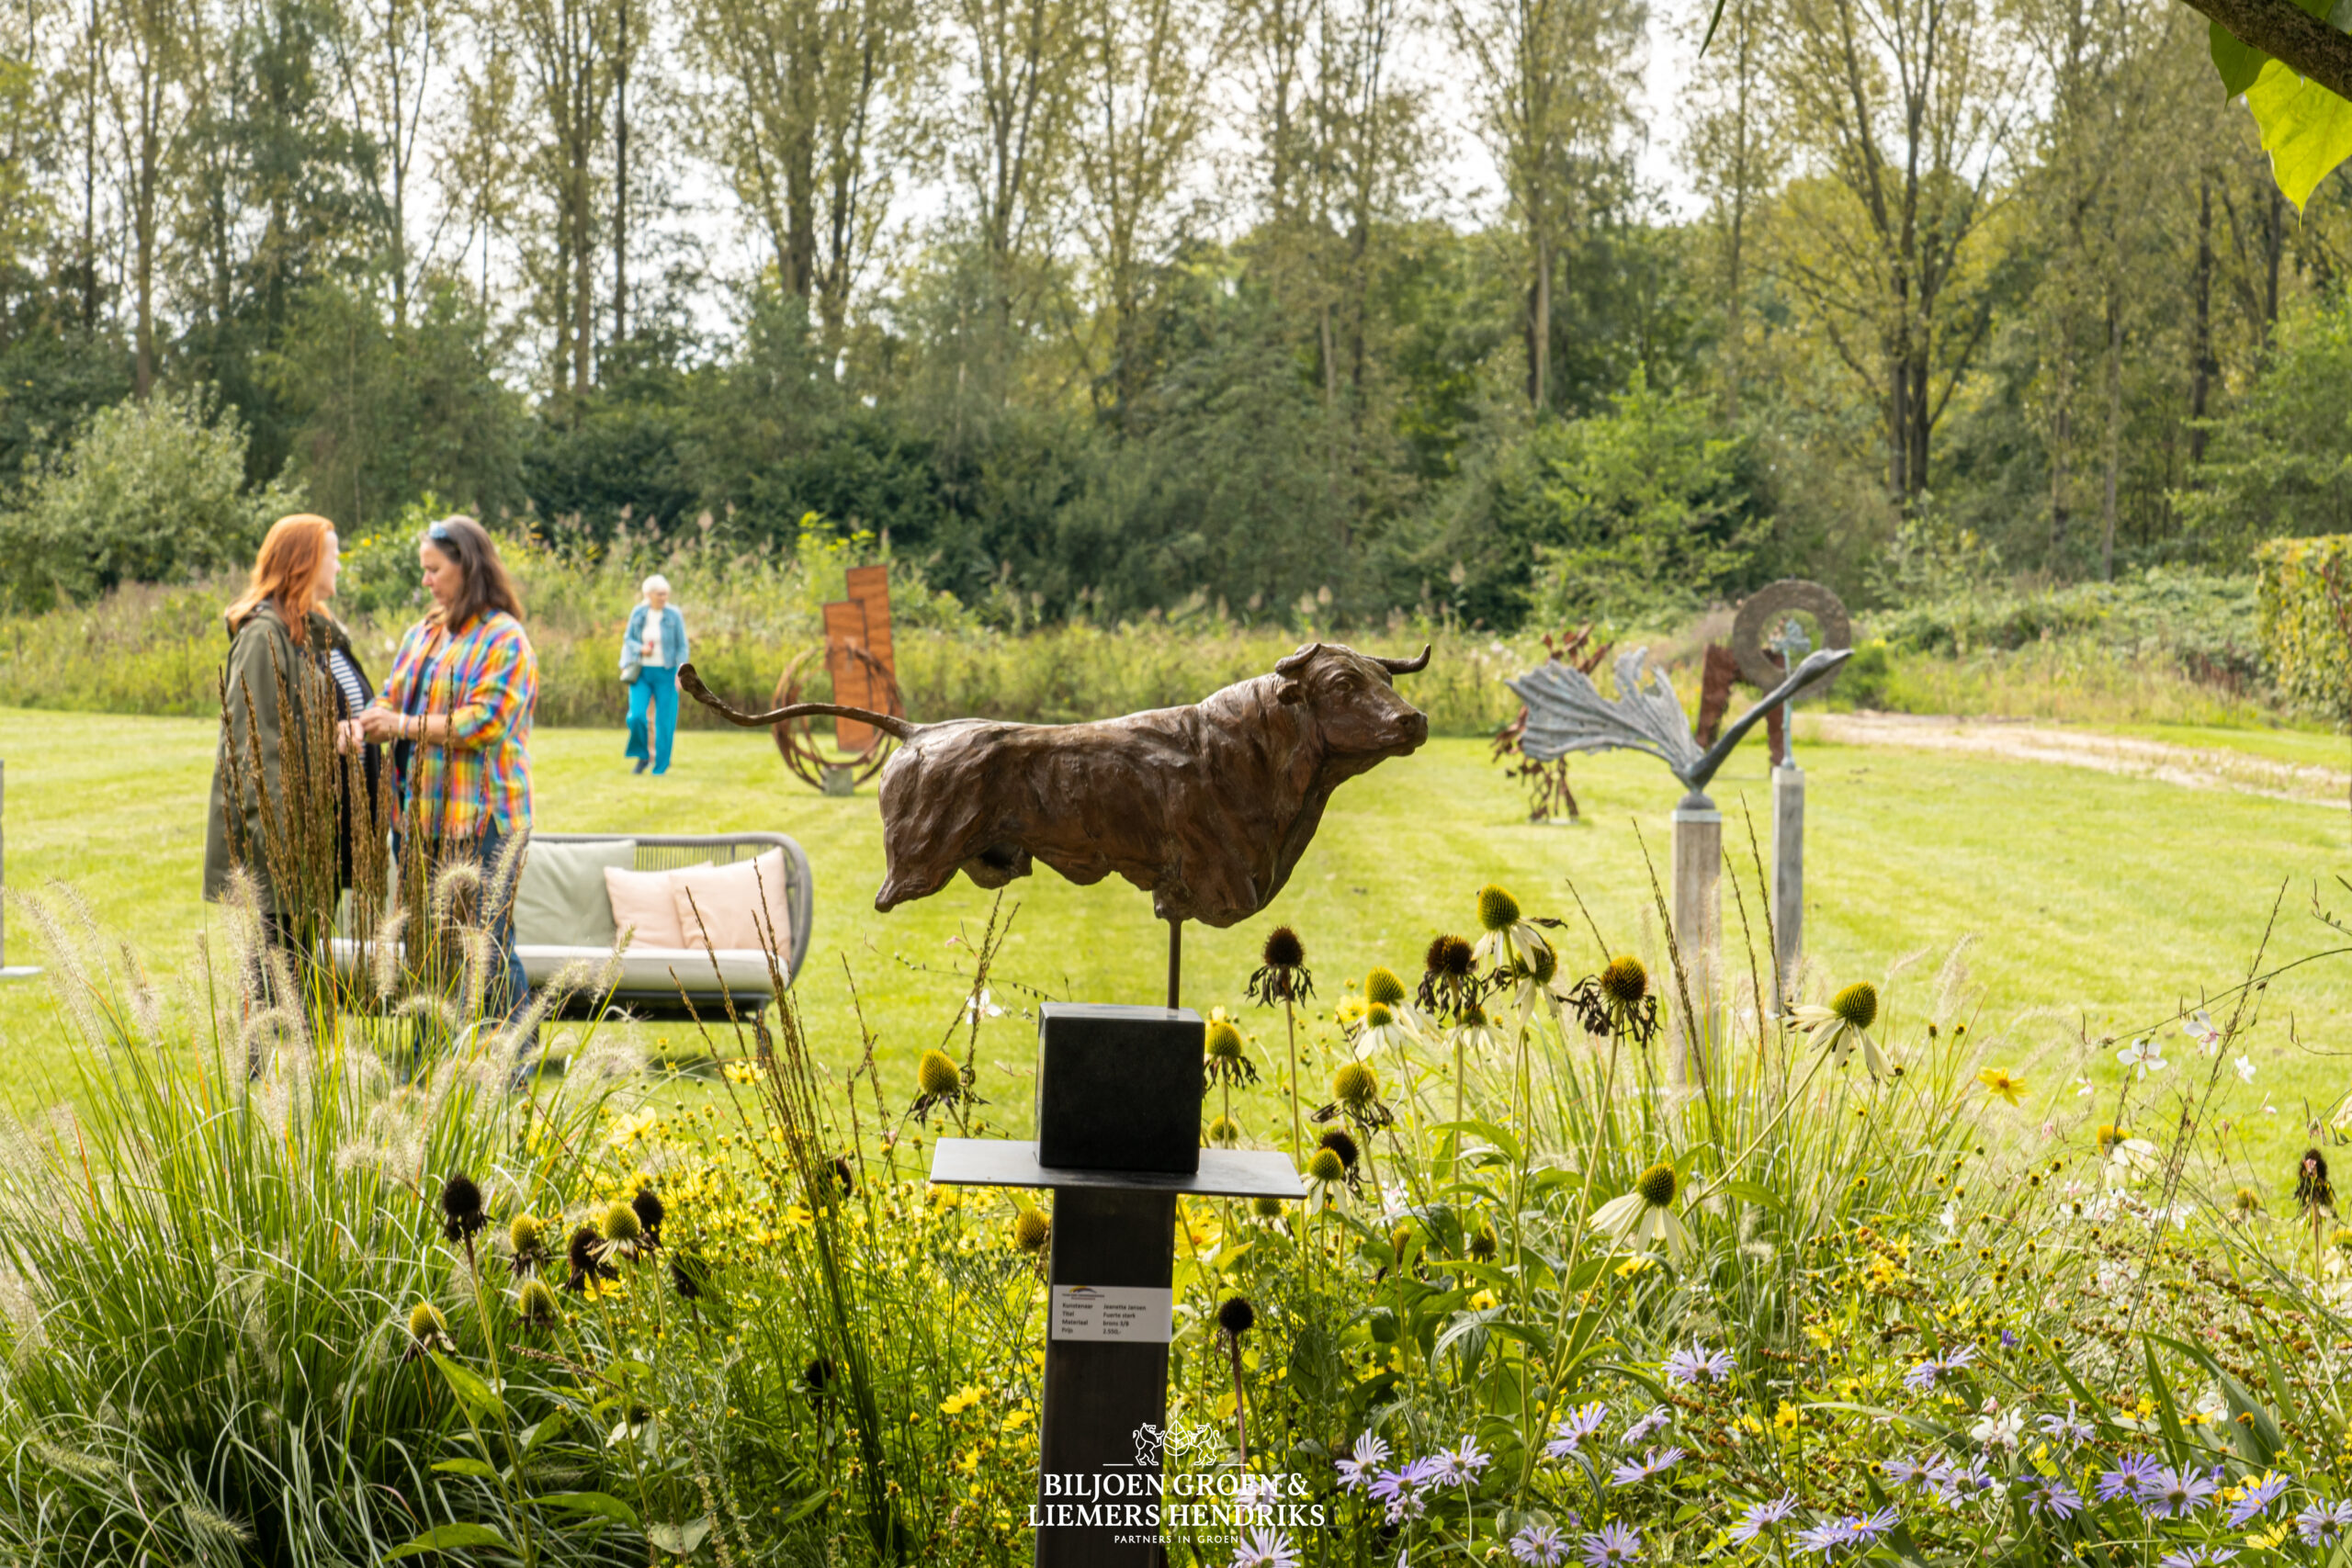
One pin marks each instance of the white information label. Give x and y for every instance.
(1134, 1314)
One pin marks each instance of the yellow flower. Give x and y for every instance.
(1787, 1418)
(963, 1399)
(1482, 1301)
(1995, 1081)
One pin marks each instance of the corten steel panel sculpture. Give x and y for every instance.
(1207, 807)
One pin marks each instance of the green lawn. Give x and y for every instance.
(2098, 903)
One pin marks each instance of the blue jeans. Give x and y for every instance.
(656, 687)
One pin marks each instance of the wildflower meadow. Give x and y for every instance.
(1806, 1269)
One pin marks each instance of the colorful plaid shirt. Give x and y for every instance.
(487, 679)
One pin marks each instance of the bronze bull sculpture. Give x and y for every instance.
(1207, 807)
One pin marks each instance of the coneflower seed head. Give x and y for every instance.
(1224, 1042)
(536, 1304)
(1857, 1004)
(523, 1235)
(1377, 1016)
(1355, 1084)
(1266, 1208)
(1283, 948)
(1325, 1167)
(621, 1223)
(648, 1209)
(1498, 910)
(1030, 1229)
(1450, 956)
(1624, 981)
(938, 1076)
(1542, 962)
(1340, 1144)
(1658, 1186)
(425, 1321)
(1237, 1316)
(1382, 986)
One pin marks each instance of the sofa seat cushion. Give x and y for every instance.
(659, 969)
(561, 900)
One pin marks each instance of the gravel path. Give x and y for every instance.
(2028, 742)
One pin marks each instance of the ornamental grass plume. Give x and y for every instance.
(1646, 1216)
(1845, 1023)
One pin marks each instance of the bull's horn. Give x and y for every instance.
(1407, 666)
(1292, 663)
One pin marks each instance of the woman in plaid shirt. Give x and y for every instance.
(458, 707)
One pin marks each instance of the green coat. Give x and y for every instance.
(258, 652)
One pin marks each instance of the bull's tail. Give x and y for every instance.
(888, 724)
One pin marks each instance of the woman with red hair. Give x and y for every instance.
(292, 692)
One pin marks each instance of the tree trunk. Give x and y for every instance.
(2113, 442)
(2201, 366)
(620, 180)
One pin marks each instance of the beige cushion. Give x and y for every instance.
(731, 900)
(644, 899)
(561, 900)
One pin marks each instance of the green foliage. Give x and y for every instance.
(2280, 461)
(2306, 620)
(2306, 129)
(2204, 623)
(150, 492)
(1645, 510)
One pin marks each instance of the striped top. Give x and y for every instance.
(348, 681)
(486, 679)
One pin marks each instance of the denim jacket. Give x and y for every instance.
(674, 639)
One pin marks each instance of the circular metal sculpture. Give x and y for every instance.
(1756, 631)
(796, 740)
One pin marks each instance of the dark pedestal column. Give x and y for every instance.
(1098, 1392)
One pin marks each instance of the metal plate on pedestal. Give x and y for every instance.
(1007, 1162)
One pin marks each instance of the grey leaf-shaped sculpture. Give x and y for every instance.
(1566, 712)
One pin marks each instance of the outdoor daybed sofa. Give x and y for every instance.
(565, 907)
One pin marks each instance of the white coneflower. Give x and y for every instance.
(1646, 1216)
(1384, 1027)
(1508, 940)
(1846, 1024)
(2126, 1158)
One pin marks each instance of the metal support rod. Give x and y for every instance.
(1697, 870)
(1788, 872)
(1175, 960)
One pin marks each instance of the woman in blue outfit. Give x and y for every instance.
(652, 650)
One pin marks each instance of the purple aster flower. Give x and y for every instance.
(1657, 1420)
(1392, 1486)
(1856, 1532)
(2255, 1500)
(2052, 1496)
(1610, 1544)
(1540, 1546)
(2196, 1556)
(1951, 1483)
(2008, 1339)
(1575, 1429)
(1904, 1473)
(2129, 1477)
(2323, 1524)
(1763, 1516)
(1265, 1548)
(2174, 1493)
(1469, 1459)
(2065, 1429)
(1650, 1466)
(1923, 1376)
(1356, 1469)
(1697, 1364)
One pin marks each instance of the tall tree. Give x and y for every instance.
(802, 123)
(1736, 158)
(1902, 110)
(1145, 73)
(1012, 136)
(1554, 78)
(569, 51)
(388, 56)
(152, 56)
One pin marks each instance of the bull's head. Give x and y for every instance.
(1354, 699)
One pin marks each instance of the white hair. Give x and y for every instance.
(650, 583)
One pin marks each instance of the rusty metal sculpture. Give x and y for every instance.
(1207, 807)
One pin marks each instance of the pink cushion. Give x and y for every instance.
(644, 899)
(739, 903)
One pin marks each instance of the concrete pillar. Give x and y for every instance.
(1698, 924)
(1788, 871)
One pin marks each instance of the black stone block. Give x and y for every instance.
(1118, 1087)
